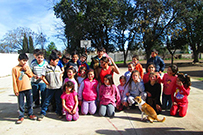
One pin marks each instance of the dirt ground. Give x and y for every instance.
(185, 66)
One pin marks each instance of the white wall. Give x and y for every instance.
(8, 61)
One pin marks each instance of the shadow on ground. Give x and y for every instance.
(150, 131)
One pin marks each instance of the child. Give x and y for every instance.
(52, 76)
(74, 62)
(169, 80)
(83, 59)
(153, 90)
(21, 75)
(138, 66)
(88, 93)
(134, 87)
(34, 54)
(107, 94)
(70, 101)
(69, 75)
(131, 68)
(151, 69)
(81, 75)
(121, 88)
(180, 94)
(37, 84)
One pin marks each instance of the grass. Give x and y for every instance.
(201, 79)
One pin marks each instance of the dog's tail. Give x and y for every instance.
(161, 120)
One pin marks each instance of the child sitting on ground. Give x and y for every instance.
(87, 94)
(179, 95)
(70, 101)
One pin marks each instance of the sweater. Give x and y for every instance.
(21, 79)
(180, 94)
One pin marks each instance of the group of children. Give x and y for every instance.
(76, 89)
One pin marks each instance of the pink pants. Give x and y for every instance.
(181, 107)
(70, 117)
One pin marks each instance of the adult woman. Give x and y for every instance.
(106, 68)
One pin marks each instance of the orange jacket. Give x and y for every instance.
(139, 68)
(21, 79)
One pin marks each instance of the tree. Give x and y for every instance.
(51, 46)
(31, 47)
(14, 38)
(25, 44)
(192, 21)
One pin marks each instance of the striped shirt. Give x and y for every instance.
(37, 70)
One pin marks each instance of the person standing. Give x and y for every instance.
(21, 75)
(159, 63)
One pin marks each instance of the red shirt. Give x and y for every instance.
(104, 73)
(180, 94)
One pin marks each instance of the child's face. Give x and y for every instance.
(122, 82)
(40, 58)
(54, 62)
(179, 82)
(130, 67)
(135, 60)
(22, 62)
(153, 54)
(68, 89)
(65, 60)
(75, 58)
(151, 68)
(100, 54)
(82, 59)
(135, 76)
(152, 78)
(169, 71)
(82, 72)
(106, 81)
(103, 64)
(91, 75)
(70, 74)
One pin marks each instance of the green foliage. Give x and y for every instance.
(25, 44)
(31, 47)
(51, 46)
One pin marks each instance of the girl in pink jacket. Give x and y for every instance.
(87, 94)
(109, 97)
(179, 96)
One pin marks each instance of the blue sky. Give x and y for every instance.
(34, 14)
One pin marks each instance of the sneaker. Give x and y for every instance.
(32, 117)
(20, 120)
(40, 117)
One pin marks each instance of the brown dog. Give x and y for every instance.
(147, 110)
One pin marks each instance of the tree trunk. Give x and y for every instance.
(195, 55)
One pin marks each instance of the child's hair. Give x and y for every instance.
(39, 53)
(185, 79)
(110, 78)
(136, 56)
(130, 80)
(130, 63)
(84, 55)
(23, 56)
(174, 69)
(82, 68)
(36, 51)
(74, 53)
(154, 50)
(68, 84)
(150, 63)
(122, 77)
(66, 71)
(105, 59)
(53, 56)
(100, 49)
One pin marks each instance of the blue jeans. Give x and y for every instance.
(21, 103)
(109, 109)
(35, 90)
(166, 101)
(49, 94)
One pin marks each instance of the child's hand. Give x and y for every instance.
(23, 68)
(17, 93)
(158, 107)
(149, 94)
(74, 111)
(174, 103)
(128, 94)
(179, 83)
